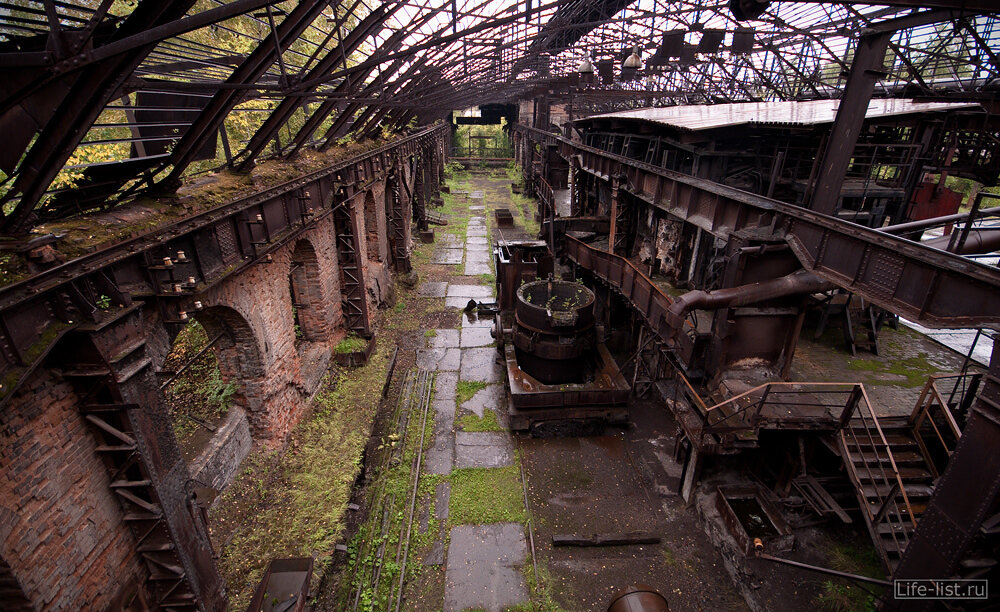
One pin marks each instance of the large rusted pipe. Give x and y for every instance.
(984, 240)
(801, 281)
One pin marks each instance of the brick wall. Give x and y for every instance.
(61, 529)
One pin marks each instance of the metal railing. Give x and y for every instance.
(933, 421)
(745, 412)
(474, 152)
(865, 450)
(881, 503)
(544, 192)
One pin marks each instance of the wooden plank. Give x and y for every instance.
(605, 539)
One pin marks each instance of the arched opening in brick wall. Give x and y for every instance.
(372, 238)
(308, 304)
(214, 370)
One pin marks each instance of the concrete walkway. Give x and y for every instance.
(483, 562)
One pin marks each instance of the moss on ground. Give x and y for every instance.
(465, 389)
(488, 422)
(915, 370)
(292, 504)
(486, 495)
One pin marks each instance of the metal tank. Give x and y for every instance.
(553, 331)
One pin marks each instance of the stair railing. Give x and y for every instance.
(743, 412)
(881, 471)
(932, 414)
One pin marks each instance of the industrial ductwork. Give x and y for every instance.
(799, 282)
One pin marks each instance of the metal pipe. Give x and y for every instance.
(982, 240)
(913, 226)
(823, 570)
(801, 281)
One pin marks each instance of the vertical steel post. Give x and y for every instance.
(866, 69)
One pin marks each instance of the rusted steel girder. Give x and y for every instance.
(86, 98)
(252, 68)
(218, 243)
(288, 106)
(866, 69)
(931, 287)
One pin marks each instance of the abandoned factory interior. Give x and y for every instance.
(499, 305)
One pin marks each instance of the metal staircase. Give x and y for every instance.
(397, 225)
(890, 477)
(352, 285)
(894, 462)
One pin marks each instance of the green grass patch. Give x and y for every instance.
(430, 333)
(489, 280)
(488, 422)
(465, 389)
(914, 369)
(541, 590)
(486, 495)
(846, 596)
(351, 343)
(292, 504)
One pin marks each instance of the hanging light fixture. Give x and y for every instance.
(633, 62)
(586, 70)
(632, 65)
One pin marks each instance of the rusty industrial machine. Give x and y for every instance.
(558, 369)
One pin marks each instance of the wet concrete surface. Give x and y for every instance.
(596, 485)
(893, 379)
(445, 338)
(442, 495)
(432, 289)
(492, 398)
(472, 319)
(483, 449)
(479, 364)
(440, 457)
(483, 568)
(457, 302)
(446, 359)
(447, 256)
(476, 336)
(477, 268)
(478, 292)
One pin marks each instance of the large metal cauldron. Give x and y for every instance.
(554, 330)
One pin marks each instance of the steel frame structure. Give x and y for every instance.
(280, 73)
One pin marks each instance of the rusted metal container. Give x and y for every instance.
(639, 598)
(284, 587)
(554, 330)
(749, 515)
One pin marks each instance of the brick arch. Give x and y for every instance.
(306, 292)
(238, 350)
